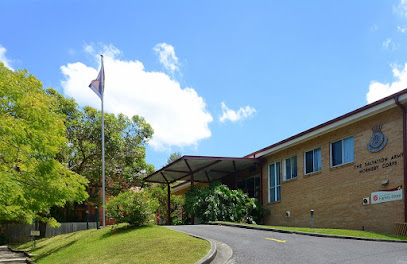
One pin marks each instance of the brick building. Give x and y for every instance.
(350, 171)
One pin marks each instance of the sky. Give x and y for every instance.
(213, 78)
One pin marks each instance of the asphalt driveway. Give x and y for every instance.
(256, 246)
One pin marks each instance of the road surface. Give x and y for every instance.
(256, 246)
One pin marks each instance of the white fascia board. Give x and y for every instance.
(336, 125)
(181, 186)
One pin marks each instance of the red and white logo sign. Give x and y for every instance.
(383, 196)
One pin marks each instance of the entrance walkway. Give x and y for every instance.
(10, 257)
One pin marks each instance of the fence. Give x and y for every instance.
(401, 229)
(20, 233)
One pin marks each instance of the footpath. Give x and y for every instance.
(13, 257)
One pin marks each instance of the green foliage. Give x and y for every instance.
(125, 140)
(159, 192)
(135, 208)
(218, 203)
(32, 179)
(173, 157)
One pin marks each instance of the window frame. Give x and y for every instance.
(313, 163)
(256, 186)
(284, 167)
(343, 151)
(277, 187)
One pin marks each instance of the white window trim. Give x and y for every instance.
(305, 161)
(269, 181)
(284, 169)
(343, 152)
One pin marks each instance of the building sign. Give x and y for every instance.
(35, 233)
(387, 195)
(378, 141)
(380, 163)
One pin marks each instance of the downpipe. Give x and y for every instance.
(403, 108)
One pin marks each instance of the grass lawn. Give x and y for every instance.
(339, 232)
(148, 244)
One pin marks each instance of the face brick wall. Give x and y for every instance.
(335, 194)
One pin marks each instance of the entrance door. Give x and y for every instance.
(251, 186)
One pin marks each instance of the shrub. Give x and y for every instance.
(135, 208)
(160, 193)
(218, 203)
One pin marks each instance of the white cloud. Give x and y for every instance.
(89, 49)
(386, 43)
(390, 44)
(178, 115)
(401, 8)
(402, 29)
(167, 56)
(233, 116)
(374, 28)
(4, 59)
(379, 90)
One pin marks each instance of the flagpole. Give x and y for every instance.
(103, 151)
(98, 86)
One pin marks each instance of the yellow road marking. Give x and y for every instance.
(281, 241)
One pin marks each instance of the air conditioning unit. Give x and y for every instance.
(365, 201)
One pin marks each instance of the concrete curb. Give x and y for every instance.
(27, 254)
(305, 233)
(210, 255)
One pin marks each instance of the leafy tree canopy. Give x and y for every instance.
(125, 140)
(173, 157)
(32, 134)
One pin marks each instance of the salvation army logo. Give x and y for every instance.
(378, 141)
(375, 197)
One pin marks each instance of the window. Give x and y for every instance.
(290, 168)
(342, 152)
(274, 182)
(312, 161)
(250, 186)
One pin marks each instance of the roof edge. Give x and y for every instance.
(330, 122)
(187, 157)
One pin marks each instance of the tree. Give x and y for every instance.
(173, 157)
(125, 140)
(32, 133)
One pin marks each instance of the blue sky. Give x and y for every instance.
(217, 78)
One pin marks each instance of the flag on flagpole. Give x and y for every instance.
(97, 85)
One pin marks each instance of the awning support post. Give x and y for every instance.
(207, 176)
(235, 173)
(261, 185)
(192, 186)
(168, 204)
(168, 200)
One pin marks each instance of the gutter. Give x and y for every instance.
(341, 121)
(403, 108)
